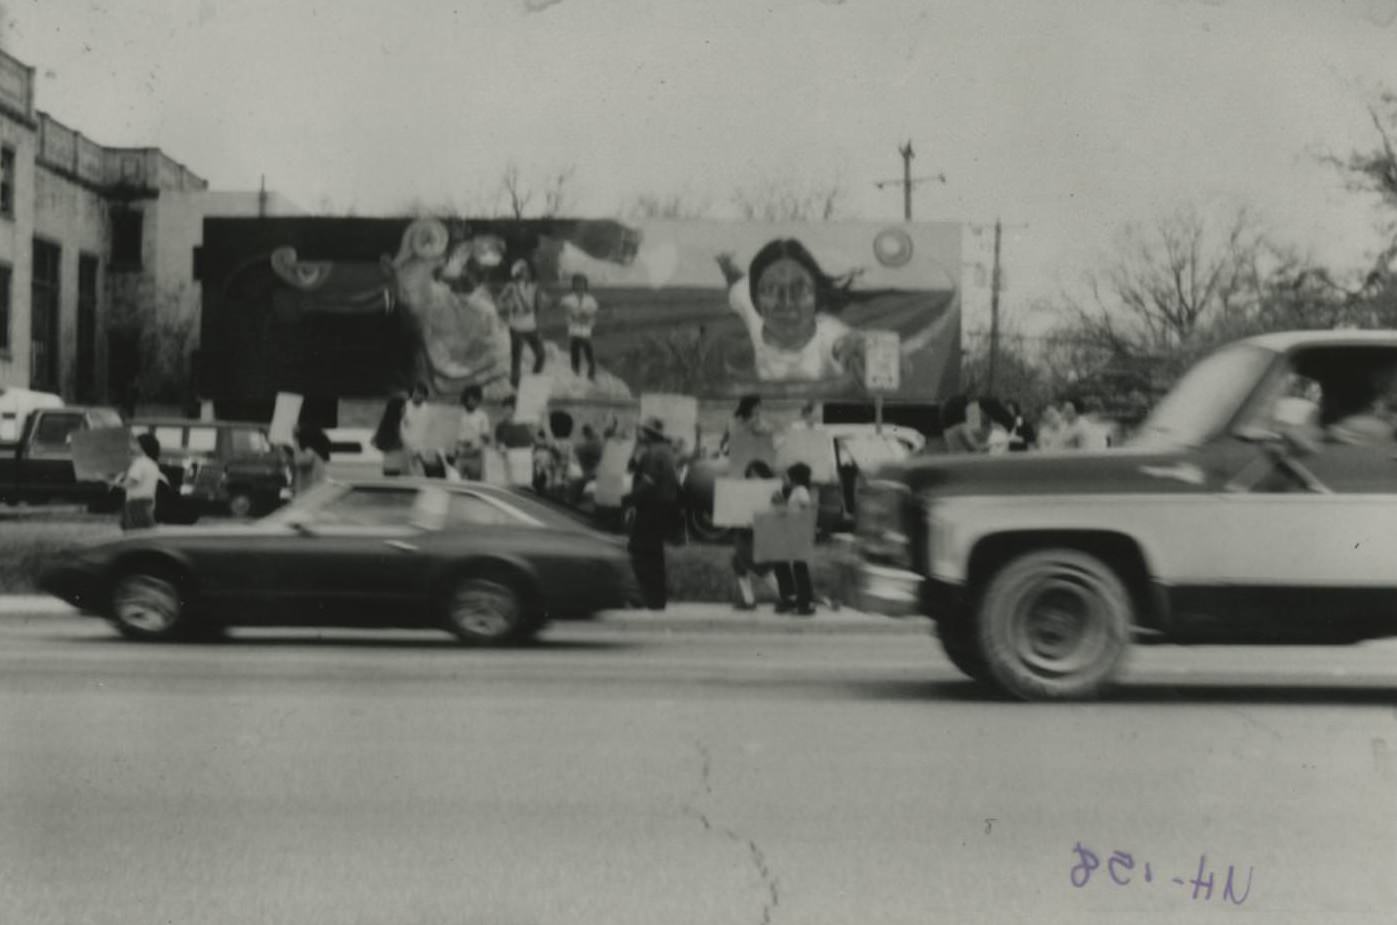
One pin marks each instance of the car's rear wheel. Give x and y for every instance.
(1054, 624)
(490, 611)
(148, 605)
(961, 644)
(241, 503)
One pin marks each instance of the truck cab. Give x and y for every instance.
(36, 452)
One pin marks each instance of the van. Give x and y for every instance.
(228, 467)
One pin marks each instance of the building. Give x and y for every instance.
(97, 294)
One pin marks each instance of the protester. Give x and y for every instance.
(1052, 431)
(582, 309)
(589, 452)
(511, 434)
(1093, 431)
(1022, 436)
(416, 422)
(472, 436)
(655, 498)
(963, 428)
(997, 424)
(388, 439)
(793, 578)
(309, 459)
(747, 418)
(744, 565)
(521, 300)
(809, 417)
(141, 482)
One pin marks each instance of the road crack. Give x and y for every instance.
(754, 852)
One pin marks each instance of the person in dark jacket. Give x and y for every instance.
(655, 496)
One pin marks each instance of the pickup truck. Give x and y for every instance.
(1257, 504)
(36, 456)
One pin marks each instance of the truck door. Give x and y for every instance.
(46, 461)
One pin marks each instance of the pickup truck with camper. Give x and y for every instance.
(1257, 504)
(36, 455)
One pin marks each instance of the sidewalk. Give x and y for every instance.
(678, 618)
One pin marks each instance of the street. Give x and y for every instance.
(631, 775)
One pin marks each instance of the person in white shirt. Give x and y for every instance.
(581, 308)
(787, 302)
(416, 421)
(472, 436)
(141, 482)
(520, 301)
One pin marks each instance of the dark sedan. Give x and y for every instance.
(491, 565)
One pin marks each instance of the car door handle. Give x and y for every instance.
(401, 546)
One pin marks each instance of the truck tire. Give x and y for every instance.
(1054, 624)
(961, 643)
(241, 503)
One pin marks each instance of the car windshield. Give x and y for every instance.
(304, 504)
(1205, 399)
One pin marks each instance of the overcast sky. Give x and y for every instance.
(1068, 118)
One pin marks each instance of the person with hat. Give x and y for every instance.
(655, 498)
(521, 303)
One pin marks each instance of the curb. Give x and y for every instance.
(678, 618)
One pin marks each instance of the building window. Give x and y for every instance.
(5, 275)
(7, 182)
(86, 371)
(127, 227)
(43, 316)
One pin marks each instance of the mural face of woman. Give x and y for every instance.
(786, 302)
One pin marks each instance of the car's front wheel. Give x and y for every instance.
(1054, 624)
(148, 606)
(490, 611)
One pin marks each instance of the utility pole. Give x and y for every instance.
(994, 307)
(908, 181)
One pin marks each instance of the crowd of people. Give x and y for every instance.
(988, 425)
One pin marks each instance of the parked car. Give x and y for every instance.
(225, 466)
(490, 565)
(36, 451)
(857, 448)
(1245, 510)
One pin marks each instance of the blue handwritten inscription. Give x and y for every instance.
(1123, 869)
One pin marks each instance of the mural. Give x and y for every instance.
(602, 309)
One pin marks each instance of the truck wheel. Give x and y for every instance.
(241, 504)
(961, 644)
(1054, 624)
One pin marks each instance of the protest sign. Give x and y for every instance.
(496, 467)
(745, 447)
(678, 412)
(521, 466)
(735, 501)
(613, 478)
(815, 448)
(532, 399)
(443, 426)
(782, 535)
(100, 454)
(882, 361)
(285, 416)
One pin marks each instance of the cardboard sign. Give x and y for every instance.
(882, 361)
(443, 426)
(100, 454)
(613, 478)
(496, 468)
(521, 466)
(745, 447)
(679, 413)
(285, 417)
(782, 535)
(531, 403)
(815, 448)
(736, 501)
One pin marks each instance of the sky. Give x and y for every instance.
(1065, 118)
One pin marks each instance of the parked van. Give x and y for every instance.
(228, 467)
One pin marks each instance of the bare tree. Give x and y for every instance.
(557, 192)
(517, 196)
(667, 206)
(787, 199)
(1375, 170)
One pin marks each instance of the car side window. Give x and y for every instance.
(248, 441)
(203, 439)
(55, 431)
(467, 510)
(368, 507)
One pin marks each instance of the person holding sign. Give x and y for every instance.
(417, 416)
(744, 564)
(521, 300)
(793, 578)
(581, 308)
(472, 436)
(655, 495)
(141, 482)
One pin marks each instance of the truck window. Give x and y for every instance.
(103, 417)
(170, 438)
(203, 439)
(249, 441)
(54, 432)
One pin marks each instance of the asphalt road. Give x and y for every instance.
(630, 776)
